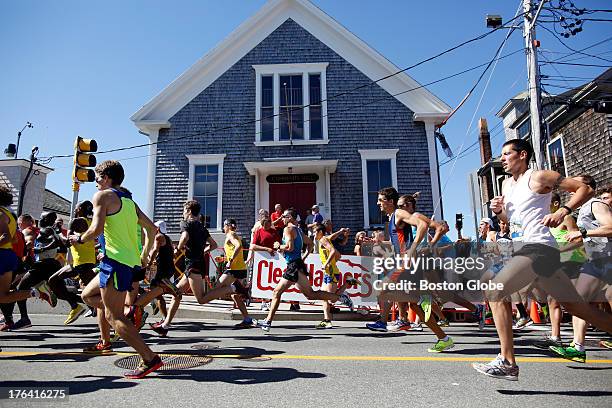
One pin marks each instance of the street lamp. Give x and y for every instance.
(13, 150)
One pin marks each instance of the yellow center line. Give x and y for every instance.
(314, 357)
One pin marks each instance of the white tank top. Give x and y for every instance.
(525, 209)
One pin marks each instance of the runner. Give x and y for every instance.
(83, 263)
(331, 274)
(118, 216)
(8, 258)
(162, 254)
(525, 205)
(197, 243)
(235, 269)
(572, 258)
(605, 195)
(296, 272)
(405, 244)
(595, 229)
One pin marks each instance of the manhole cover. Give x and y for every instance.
(171, 361)
(204, 347)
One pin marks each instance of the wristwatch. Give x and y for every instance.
(583, 232)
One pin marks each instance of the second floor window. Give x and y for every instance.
(291, 103)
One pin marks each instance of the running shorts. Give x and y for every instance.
(8, 261)
(600, 268)
(238, 274)
(116, 274)
(294, 268)
(546, 260)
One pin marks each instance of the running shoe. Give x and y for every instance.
(415, 327)
(346, 301)
(442, 346)
(91, 312)
(99, 348)
(570, 353)
(606, 344)
(115, 337)
(143, 319)
(156, 324)
(75, 314)
(498, 368)
(425, 303)
(443, 323)
(171, 287)
(154, 307)
(378, 326)
(547, 342)
(247, 323)
(145, 368)
(22, 324)
(46, 294)
(7, 326)
(398, 325)
(161, 330)
(264, 325)
(522, 323)
(324, 324)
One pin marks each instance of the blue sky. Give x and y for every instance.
(82, 68)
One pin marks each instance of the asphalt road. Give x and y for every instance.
(298, 366)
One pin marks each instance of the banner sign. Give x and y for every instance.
(268, 270)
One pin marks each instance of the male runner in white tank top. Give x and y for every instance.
(525, 205)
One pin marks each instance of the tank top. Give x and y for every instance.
(12, 227)
(237, 258)
(577, 255)
(84, 253)
(400, 238)
(45, 237)
(298, 242)
(324, 255)
(165, 255)
(120, 232)
(525, 210)
(596, 247)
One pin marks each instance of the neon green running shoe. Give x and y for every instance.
(606, 344)
(570, 353)
(442, 346)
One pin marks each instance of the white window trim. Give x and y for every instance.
(375, 154)
(562, 150)
(295, 69)
(202, 160)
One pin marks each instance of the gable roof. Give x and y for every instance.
(55, 202)
(254, 30)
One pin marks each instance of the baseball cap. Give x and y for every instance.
(487, 220)
(161, 224)
(314, 206)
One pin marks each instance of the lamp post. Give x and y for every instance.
(22, 191)
(13, 150)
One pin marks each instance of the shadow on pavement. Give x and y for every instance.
(240, 375)
(566, 393)
(587, 368)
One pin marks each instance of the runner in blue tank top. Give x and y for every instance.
(296, 272)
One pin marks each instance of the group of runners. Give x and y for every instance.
(539, 251)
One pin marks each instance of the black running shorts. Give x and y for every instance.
(294, 268)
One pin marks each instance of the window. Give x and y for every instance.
(206, 185)
(556, 156)
(291, 107)
(291, 104)
(378, 169)
(267, 108)
(524, 129)
(379, 176)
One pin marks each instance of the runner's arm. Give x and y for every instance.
(149, 231)
(551, 180)
(159, 241)
(603, 214)
(309, 246)
(5, 236)
(182, 241)
(440, 229)
(212, 245)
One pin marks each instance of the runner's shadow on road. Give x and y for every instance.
(565, 393)
(589, 368)
(247, 352)
(77, 387)
(380, 335)
(280, 338)
(56, 357)
(493, 351)
(240, 375)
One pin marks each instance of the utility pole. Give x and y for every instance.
(535, 94)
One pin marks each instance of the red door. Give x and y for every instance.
(300, 196)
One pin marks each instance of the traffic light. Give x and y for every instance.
(83, 159)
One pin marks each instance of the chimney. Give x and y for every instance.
(485, 142)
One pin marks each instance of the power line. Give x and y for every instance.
(577, 64)
(570, 48)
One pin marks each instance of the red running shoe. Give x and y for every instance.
(145, 368)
